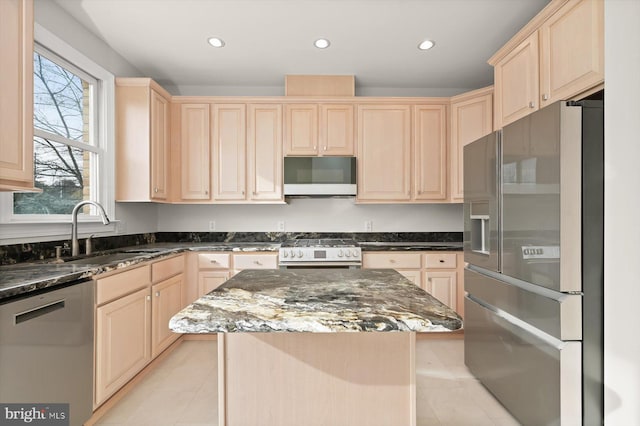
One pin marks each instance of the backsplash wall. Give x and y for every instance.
(312, 215)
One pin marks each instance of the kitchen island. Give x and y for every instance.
(316, 346)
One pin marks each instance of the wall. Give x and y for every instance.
(312, 215)
(622, 207)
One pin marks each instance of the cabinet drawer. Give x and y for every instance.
(392, 260)
(440, 260)
(255, 261)
(213, 260)
(167, 268)
(118, 285)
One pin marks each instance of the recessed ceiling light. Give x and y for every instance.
(426, 45)
(321, 43)
(216, 42)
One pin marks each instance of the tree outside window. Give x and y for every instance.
(65, 153)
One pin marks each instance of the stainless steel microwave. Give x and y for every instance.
(319, 176)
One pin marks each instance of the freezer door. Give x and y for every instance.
(537, 379)
(541, 198)
(554, 313)
(481, 202)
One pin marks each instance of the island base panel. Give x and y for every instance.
(281, 379)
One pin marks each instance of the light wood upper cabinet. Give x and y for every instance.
(572, 50)
(471, 119)
(430, 152)
(301, 129)
(336, 135)
(264, 152)
(517, 82)
(195, 157)
(160, 148)
(384, 153)
(229, 151)
(142, 140)
(319, 129)
(16, 95)
(558, 55)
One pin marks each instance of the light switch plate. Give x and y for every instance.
(368, 225)
(212, 225)
(281, 225)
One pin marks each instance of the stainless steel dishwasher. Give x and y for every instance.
(46, 349)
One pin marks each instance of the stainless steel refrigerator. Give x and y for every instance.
(533, 243)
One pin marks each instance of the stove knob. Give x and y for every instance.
(347, 253)
(299, 253)
(355, 253)
(285, 254)
(340, 253)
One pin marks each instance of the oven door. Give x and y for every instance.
(321, 265)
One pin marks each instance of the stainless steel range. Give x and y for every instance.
(320, 253)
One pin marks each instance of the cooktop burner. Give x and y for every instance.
(321, 243)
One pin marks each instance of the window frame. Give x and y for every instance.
(24, 225)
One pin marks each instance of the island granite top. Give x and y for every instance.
(316, 300)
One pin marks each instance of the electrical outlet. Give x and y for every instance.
(368, 225)
(281, 225)
(212, 225)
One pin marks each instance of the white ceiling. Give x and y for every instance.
(375, 40)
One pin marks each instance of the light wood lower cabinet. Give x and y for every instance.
(254, 260)
(167, 300)
(132, 321)
(123, 327)
(440, 274)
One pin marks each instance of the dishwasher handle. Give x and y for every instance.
(38, 312)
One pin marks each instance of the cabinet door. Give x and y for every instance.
(194, 149)
(301, 129)
(572, 50)
(159, 146)
(229, 151)
(443, 286)
(516, 83)
(415, 276)
(123, 344)
(16, 94)
(471, 119)
(336, 130)
(430, 167)
(264, 152)
(167, 301)
(384, 153)
(210, 280)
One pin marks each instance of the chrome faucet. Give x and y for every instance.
(75, 246)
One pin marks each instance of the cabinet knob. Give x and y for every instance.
(392, 261)
(315, 147)
(148, 298)
(441, 260)
(155, 190)
(257, 262)
(214, 261)
(324, 148)
(157, 294)
(532, 105)
(206, 192)
(545, 97)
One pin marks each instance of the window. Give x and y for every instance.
(67, 151)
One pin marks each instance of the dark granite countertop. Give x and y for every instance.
(22, 278)
(316, 300)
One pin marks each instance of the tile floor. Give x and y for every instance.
(182, 391)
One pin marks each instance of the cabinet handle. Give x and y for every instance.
(155, 190)
(157, 294)
(315, 147)
(242, 192)
(392, 261)
(545, 97)
(206, 192)
(257, 262)
(532, 105)
(441, 260)
(324, 148)
(214, 261)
